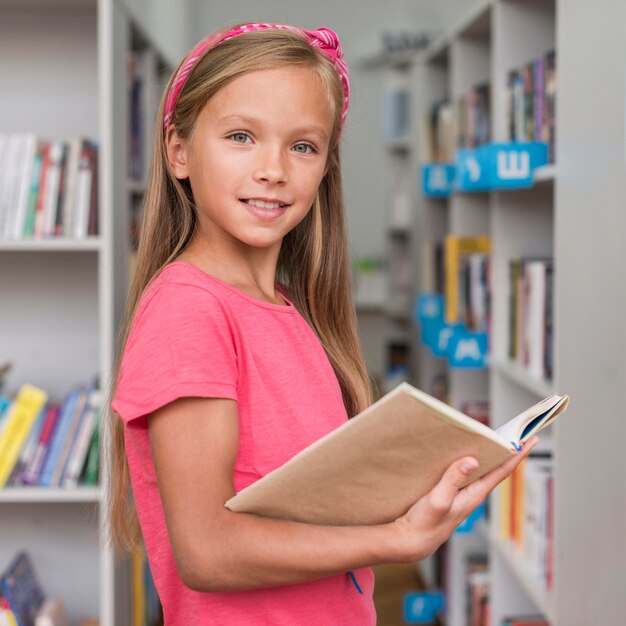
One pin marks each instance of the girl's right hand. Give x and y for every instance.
(435, 516)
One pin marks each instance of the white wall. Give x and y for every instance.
(360, 26)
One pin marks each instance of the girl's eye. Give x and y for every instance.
(308, 149)
(237, 137)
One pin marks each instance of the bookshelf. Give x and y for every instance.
(572, 206)
(66, 62)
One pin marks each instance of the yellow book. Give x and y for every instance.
(27, 406)
(457, 247)
(138, 590)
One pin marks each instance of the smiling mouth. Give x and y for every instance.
(260, 204)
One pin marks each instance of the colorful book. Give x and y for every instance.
(457, 249)
(60, 434)
(34, 467)
(80, 447)
(28, 404)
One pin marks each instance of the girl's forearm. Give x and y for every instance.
(250, 552)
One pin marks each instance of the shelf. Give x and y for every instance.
(517, 374)
(541, 597)
(544, 174)
(56, 244)
(38, 495)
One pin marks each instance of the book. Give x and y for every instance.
(374, 467)
(28, 404)
(456, 250)
(20, 587)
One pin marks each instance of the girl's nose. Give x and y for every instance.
(271, 166)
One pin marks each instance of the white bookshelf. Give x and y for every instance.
(66, 64)
(573, 212)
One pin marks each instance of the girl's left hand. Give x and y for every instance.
(434, 517)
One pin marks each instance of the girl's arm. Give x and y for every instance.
(194, 443)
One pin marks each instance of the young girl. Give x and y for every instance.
(240, 344)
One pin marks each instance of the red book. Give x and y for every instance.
(31, 473)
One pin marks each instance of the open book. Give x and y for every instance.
(374, 467)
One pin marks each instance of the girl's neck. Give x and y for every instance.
(254, 276)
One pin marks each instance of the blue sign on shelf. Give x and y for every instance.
(423, 607)
(454, 342)
(472, 173)
(438, 179)
(512, 164)
(499, 165)
(467, 349)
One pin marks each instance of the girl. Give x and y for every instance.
(240, 344)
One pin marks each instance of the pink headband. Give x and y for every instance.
(323, 38)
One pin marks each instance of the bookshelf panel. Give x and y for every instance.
(517, 591)
(522, 225)
(470, 64)
(63, 543)
(49, 327)
(54, 87)
(469, 214)
(522, 32)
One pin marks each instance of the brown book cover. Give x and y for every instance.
(374, 467)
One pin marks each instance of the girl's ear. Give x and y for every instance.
(176, 154)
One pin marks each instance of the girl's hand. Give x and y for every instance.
(433, 518)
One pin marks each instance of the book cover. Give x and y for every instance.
(68, 440)
(34, 467)
(58, 439)
(28, 404)
(456, 249)
(20, 587)
(374, 467)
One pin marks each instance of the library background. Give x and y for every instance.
(485, 181)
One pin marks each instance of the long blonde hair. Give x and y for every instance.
(313, 263)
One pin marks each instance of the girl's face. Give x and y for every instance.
(257, 155)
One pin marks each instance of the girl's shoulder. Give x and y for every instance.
(177, 288)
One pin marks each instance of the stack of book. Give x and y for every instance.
(438, 136)
(47, 188)
(526, 515)
(467, 281)
(477, 600)
(531, 315)
(50, 444)
(473, 115)
(531, 94)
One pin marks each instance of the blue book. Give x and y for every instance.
(19, 586)
(60, 434)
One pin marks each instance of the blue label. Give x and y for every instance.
(467, 349)
(511, 165)
(499, 165)
(471, 170)
(423, 607)
(438, 179)
(429, 306)
(467, 526)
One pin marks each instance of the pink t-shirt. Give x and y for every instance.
(194, 335)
